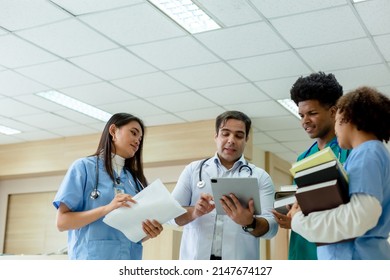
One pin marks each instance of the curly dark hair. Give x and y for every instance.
(318, 86)
(368, 109)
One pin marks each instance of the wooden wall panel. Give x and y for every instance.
(278, 169)
(30, 227)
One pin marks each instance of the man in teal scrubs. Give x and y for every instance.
(316, 96)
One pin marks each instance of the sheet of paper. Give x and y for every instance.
(153, 203)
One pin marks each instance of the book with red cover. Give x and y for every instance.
(322, 196)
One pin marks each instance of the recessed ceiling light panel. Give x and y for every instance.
(187, 14)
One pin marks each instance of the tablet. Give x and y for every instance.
(243, 188)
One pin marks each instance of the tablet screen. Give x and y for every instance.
(243, 188)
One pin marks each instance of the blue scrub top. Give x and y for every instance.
(368, 168)
(96, 241)
(300, 248)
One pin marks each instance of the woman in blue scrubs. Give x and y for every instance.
(363, 224)
(98, 184)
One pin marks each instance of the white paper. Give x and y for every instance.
(153, 203)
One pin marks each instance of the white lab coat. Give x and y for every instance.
(197, 236)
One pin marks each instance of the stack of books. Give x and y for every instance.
(284, 198)
(321, 180)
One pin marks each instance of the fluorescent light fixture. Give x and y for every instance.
(8, 131)
(290, 106)
(76, 105)
(187, 14)
(357, 1)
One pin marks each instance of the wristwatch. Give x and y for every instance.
(251, 227)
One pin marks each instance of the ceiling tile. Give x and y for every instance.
(15, 15)
(208, 75)
(277, 88)
(91, 6)
(74, 130)
(201, 114)
(16, 52)
(270, 66)
(261, 138)
(46, 121)
(260, 109)
(326, 26)
(242, 41)
(67, 38)
(39, 102)
(58, 74)
(148, 85)
(137, 107)
(37, 135)
(13, 108)
(14, 84)
(277, 123)
(161, 119)
(3, 31)
(288, 135)
(124, 25)
(99, 93)
(373, 75)
(279, 8)
(9, 122)
(385, 90)
(352, 53)
(383, 43)
(76, 117)
(234, 94)
(230, 12)
(169, 54)
(181, 102)
(113, 64)
(375, 15)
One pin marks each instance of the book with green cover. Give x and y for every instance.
(322, 156)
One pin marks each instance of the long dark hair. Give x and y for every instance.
(105, 148)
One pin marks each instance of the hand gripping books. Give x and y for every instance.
(285, 196)
(281, 202)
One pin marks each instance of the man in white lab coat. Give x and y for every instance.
(235, 235)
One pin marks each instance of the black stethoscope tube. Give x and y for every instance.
(201, 182)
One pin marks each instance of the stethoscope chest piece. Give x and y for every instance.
(200, 184)
(95, 194)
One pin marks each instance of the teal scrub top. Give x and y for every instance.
(300, 248)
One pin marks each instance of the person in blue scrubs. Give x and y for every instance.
(98, 184)
(363, 224)
(316, 96)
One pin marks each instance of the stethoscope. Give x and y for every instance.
(201, 183)
(95, 193)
